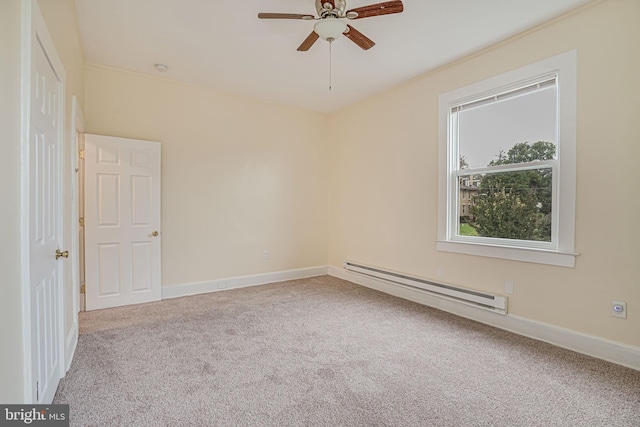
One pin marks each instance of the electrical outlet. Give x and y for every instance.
(265, 255)
(222, 285)
(508, 287)
(439, 272)
(619, 309)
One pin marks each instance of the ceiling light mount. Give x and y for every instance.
(327, 9)
(161, 68)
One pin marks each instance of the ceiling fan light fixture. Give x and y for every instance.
(330, 28)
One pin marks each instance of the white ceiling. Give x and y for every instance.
(222, 43)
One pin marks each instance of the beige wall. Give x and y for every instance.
(60, 18)
(384, 175)
(238, 176)
(11, 353)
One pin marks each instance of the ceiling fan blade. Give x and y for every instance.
(308, 42)
(358, 38)
(378, 9)
(285, 16)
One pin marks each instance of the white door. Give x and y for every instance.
(81, 252)
(45, 225)
(122, 221)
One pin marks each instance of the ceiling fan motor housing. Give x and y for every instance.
(337, 10)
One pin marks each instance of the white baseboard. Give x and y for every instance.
(590, 345)
(186, 289)
(71, 343)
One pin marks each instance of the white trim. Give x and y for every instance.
(71, 343)
(560, 251)
(589, 345)
(76, 125)
(25, 118)
(511, 167)
(186, 289)
(539, 256)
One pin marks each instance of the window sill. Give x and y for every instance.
(537, 256)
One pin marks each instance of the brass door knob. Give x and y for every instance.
(155, 234)
(61, 254)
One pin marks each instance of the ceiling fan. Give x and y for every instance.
(331, 21)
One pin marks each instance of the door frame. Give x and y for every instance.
(77, 126)
(33, 31)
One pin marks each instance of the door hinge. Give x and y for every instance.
(81, 154)
(82, 289)
(37, 391)
(81, 221)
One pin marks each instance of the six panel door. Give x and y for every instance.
(45, 270)
(122, 221)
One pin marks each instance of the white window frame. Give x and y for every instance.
(560, 251)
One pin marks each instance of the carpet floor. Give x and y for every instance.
(326, 352)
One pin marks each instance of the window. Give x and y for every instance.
(511, 139)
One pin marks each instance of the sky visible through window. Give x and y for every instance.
(486, 130)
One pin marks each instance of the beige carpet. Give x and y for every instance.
(325, 352)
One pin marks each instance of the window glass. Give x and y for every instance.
(487, 131)
(511, 205)
(513, 128)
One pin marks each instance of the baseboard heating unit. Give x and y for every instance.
(495, 303)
